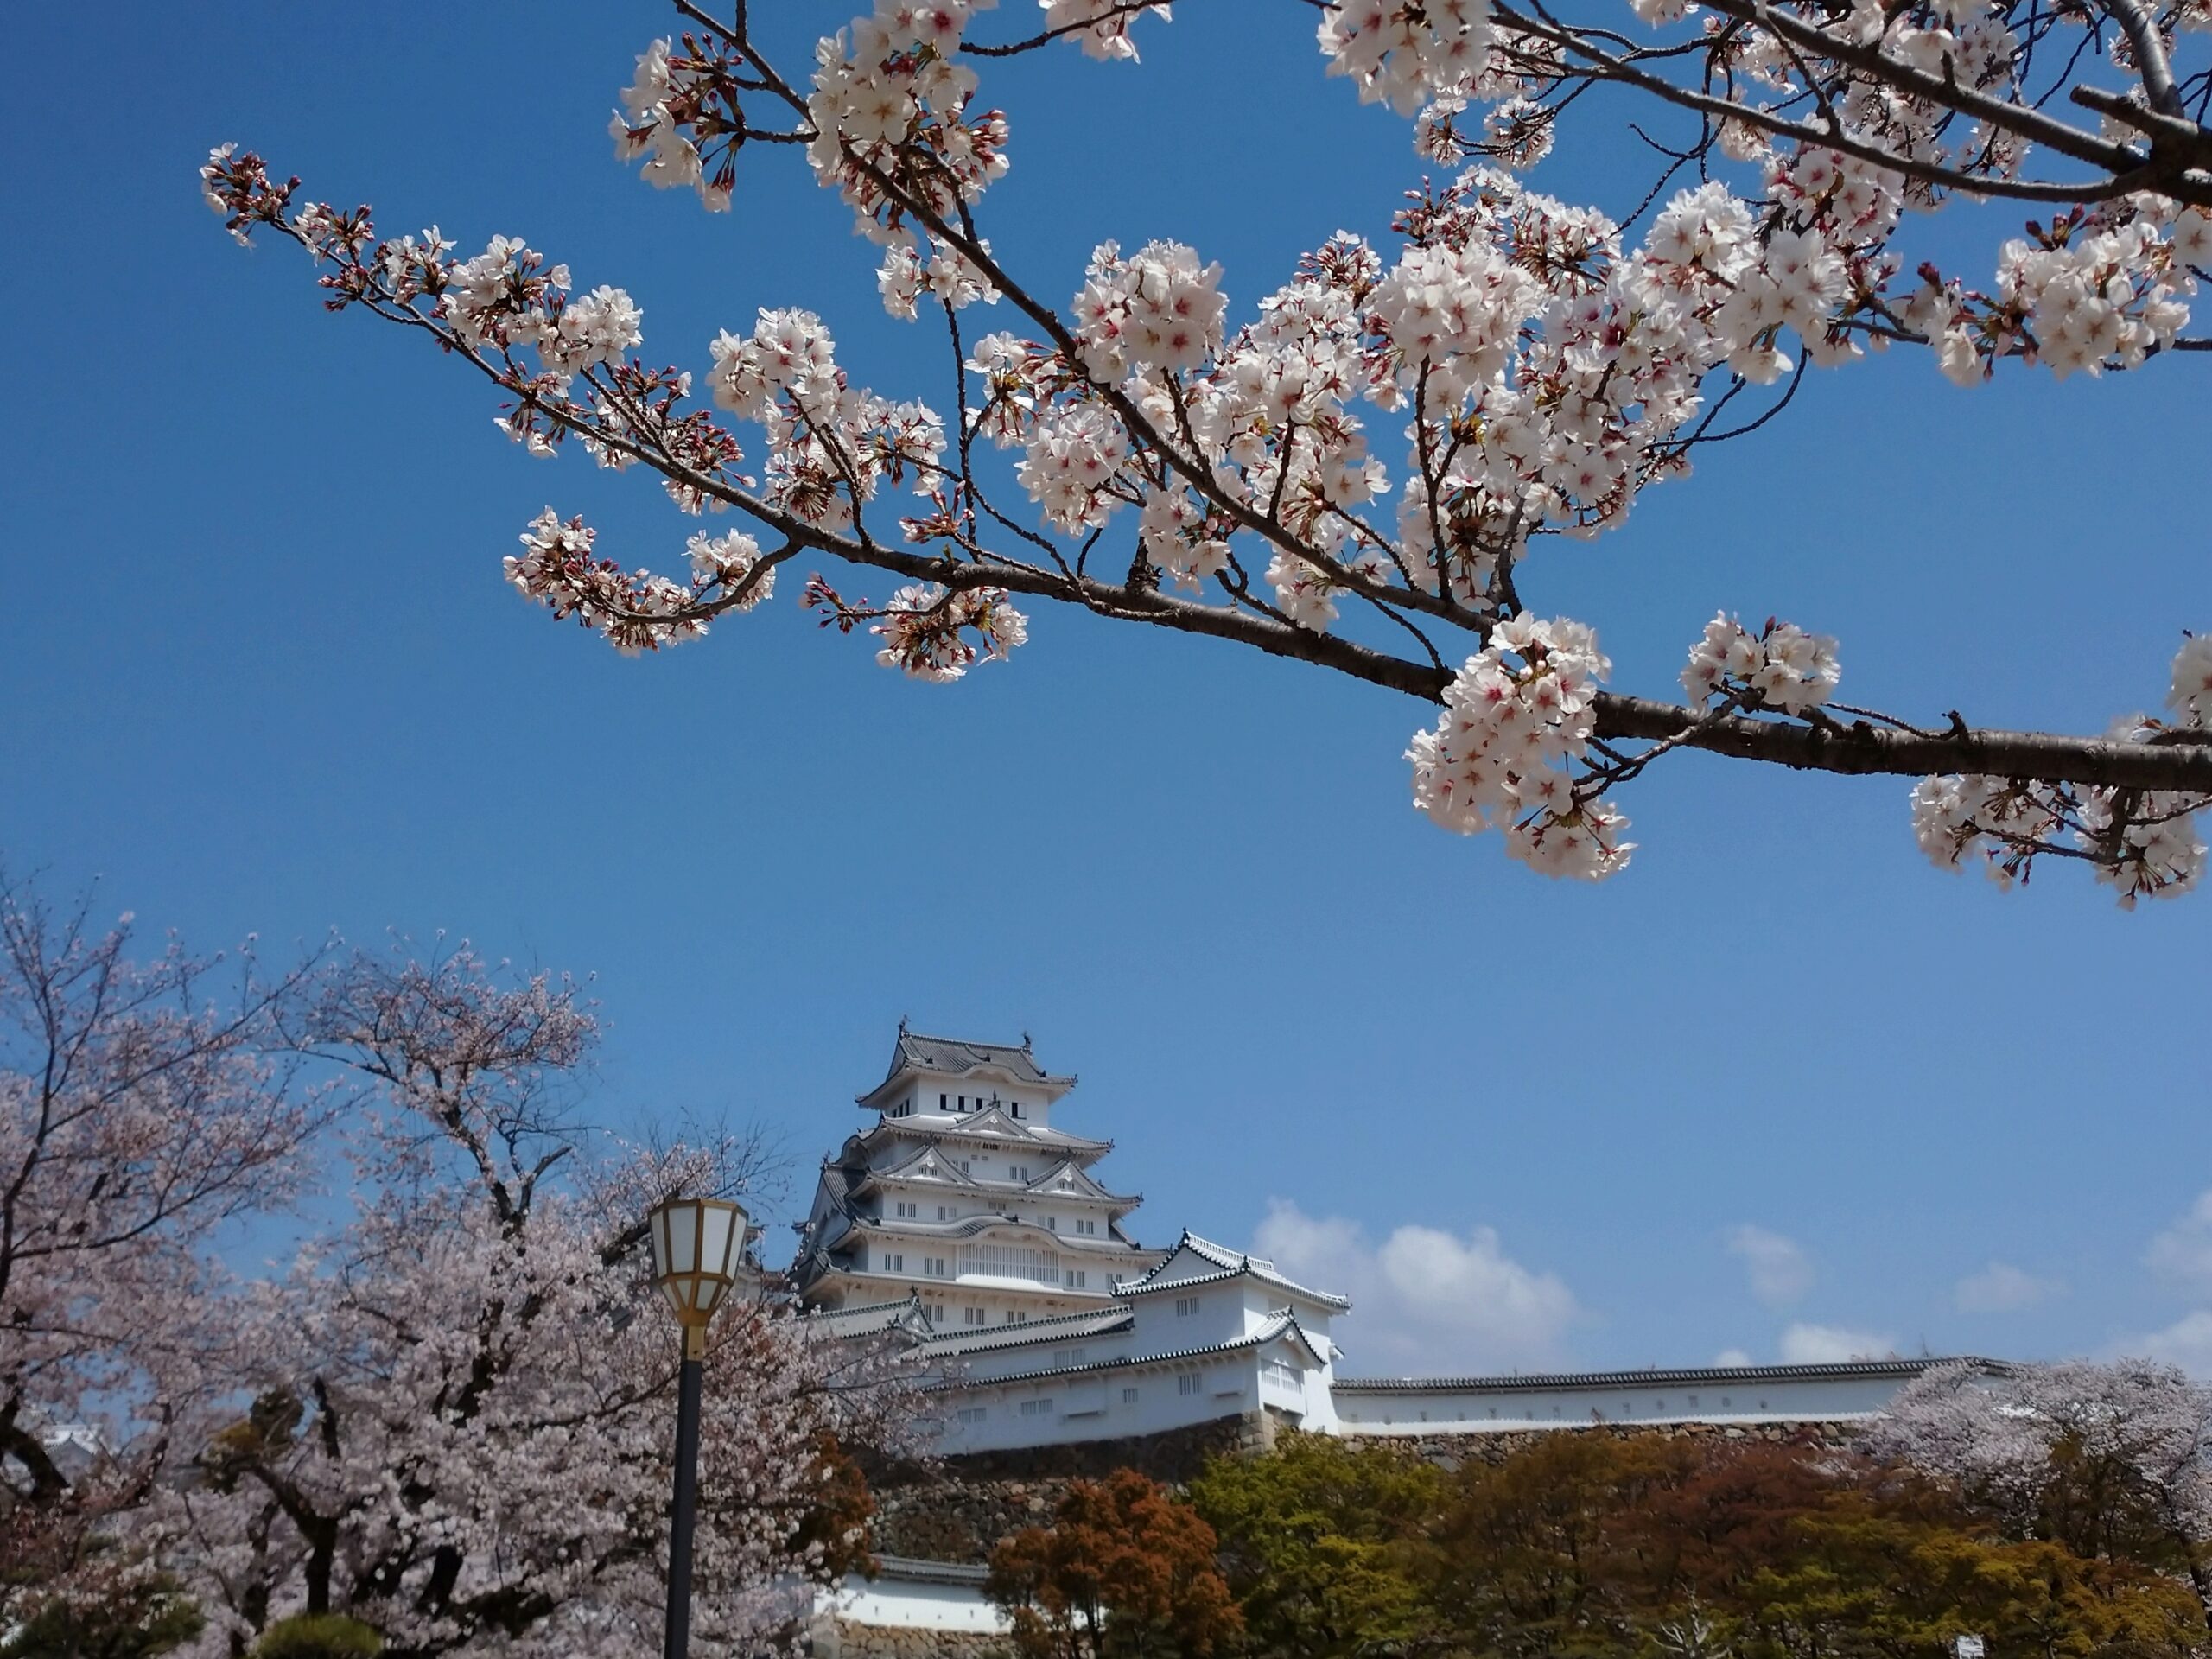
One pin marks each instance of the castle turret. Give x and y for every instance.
(963, 1194)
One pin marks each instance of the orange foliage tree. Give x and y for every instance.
(1124, 1572)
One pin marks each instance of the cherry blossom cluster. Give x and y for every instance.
(2098, 288)
(890, 114)
(635, 610)
(506, 298)
(1406, 52)
(1157, 309)
(673, 111)
(2102, 288)
(830, 444)
(926, 630)
(2142, 842)
(1100, 27)
(1548, 370)
(946, 274)
(1781, 666)
(1515, 715)
(1180, 538)
(238, 188)
(517, 313)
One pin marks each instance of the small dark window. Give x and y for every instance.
(963, 1103)
(940, 1102)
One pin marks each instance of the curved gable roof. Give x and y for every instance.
(950, 1057)
(1222, 1262)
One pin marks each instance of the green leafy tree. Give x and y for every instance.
(319, 1635)
(1321, 1541)
(1124, 1572)
(133, 1616)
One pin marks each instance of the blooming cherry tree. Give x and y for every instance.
(462, 1402)
(2110, 1459)
(1530, 365)
(143, 1104)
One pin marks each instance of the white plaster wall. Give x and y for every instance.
(1414, 1408)
(1228, 1387)
(903, 1603)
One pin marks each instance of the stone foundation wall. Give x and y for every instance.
(838, 1638)
(1173, 1455)
(957, 1509)
(1450, 1450)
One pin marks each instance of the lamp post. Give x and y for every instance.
(696, 1244)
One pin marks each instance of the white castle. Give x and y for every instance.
(965, 1220)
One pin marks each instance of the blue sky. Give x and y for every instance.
(261, 673)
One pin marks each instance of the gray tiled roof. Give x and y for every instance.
(1687, 1376)
(1022, 1137)
(869, 1318)
(1280, 1324)
(1230, 1264)
(952, 1056)
(905, 1566)
(1059, 1327)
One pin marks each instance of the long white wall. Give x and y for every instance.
(1417, 1407)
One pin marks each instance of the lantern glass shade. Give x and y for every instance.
(696, 1245)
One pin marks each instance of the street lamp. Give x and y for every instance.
(697, 1243)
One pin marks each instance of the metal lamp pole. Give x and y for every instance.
(697, 1245)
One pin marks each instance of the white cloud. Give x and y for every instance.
(2184, 1251)
(2186, 1342)
(1732, 1356)
(1827, 1344)
(1425, 1299)
(2002, 1289)
(1779, 1271)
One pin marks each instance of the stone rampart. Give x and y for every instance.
(1448, 1449)
(842, 1638)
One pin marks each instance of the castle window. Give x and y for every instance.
(972, 1413)
(963, 1103)
(940, 1102)
(1039, 1407)
(1014, 1107)
(1074, 1276)
(1085, 1225)
(894, 1264)
(943, 1212)
(1185, 1305)
(933, 1267)
(1186, 1382)
(1128, 1396)
(1051, 1223)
